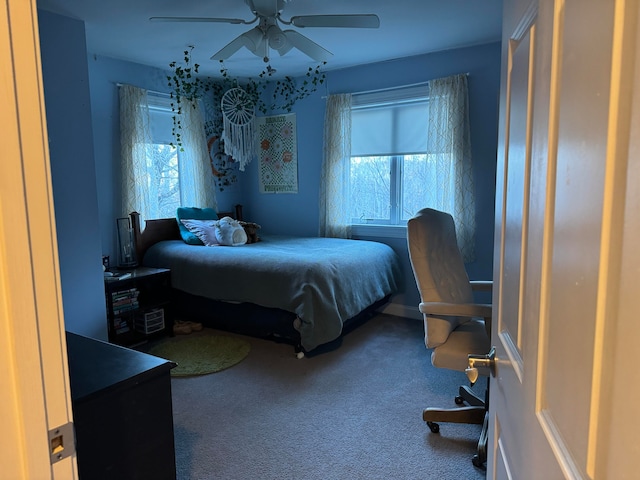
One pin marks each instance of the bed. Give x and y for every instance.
(302, 290)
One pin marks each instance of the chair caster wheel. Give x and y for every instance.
(435, 428)
(478, 463)
(459, 400)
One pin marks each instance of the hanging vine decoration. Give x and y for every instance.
(288, 90)
(185, 84)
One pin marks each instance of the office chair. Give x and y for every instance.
(455, 326)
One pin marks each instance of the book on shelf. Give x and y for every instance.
(120, 325)
(117, 275)
(123, 329)
(125, 308)
(122, 294)
(124, 301)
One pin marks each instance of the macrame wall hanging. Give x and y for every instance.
(239, 134)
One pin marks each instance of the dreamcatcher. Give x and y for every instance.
(239, 134)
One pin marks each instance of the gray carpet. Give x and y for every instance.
(351, 413)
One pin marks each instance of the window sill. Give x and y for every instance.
(380, 231)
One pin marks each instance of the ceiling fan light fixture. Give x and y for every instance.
(253, 40)
(277, 38)
(282, 51)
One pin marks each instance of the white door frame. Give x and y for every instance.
(34, 380)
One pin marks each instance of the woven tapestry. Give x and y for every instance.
(277, 154)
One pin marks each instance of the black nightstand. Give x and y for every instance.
(138, 305)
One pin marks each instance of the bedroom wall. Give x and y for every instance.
(298, 213)
(73, 175)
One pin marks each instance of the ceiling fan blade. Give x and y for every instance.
(235, 21)
(307, 46)
(285, 48)
(232, 47)
(343, 21)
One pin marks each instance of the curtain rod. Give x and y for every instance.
(419, 84)
(365, 92)
(379, 90)
(152, 92)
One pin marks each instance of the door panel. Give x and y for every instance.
(573, 278)
(517, 165)
(513, 194)
(559, 229)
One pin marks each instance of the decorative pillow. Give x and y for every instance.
(203, 230)
(230, 232)
(193, 213)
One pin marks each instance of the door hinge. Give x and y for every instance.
(61, 442)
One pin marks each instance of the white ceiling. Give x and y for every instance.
(121, 29)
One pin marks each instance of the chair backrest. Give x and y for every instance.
(438, 269)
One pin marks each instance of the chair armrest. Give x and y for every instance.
(482, 285)
(456, 309)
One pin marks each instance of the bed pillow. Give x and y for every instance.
(203, 230)
(193, 213)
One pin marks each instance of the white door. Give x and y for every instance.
(34, 380)
(566, 319)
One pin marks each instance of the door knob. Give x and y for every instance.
(482, 361)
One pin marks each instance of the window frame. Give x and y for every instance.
(395, 226)
(163, 103)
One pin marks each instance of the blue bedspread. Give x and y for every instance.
(324, 281)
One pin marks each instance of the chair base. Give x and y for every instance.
(476, 413)
(480, 459)
(466, 395)
(473, 415)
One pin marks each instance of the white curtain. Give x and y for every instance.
(449, 147)
(334, 186)
(197, 187)
(139, 194)
(135, 138)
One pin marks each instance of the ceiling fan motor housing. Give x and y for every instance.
(266, 8)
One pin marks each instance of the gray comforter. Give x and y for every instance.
(324, 281)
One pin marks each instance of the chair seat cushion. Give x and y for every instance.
(468, 338)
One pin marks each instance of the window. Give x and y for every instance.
(156, 177)
(163, 159)
(388, 155)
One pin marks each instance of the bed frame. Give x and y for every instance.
(243, 318)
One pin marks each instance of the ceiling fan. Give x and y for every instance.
(268, 34)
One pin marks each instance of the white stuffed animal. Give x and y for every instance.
(230, 232)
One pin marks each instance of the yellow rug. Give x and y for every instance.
(201, 352)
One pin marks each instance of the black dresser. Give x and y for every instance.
(122, 411)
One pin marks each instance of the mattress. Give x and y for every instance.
(323, 281)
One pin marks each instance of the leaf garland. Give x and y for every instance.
(185, 84)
